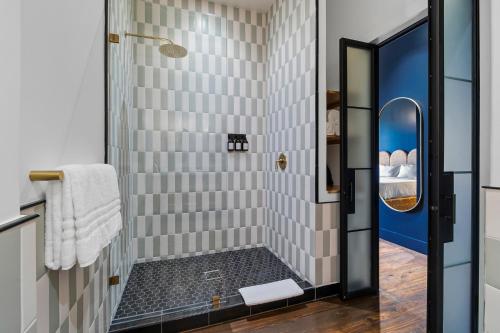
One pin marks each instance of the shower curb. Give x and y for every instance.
(231, 308)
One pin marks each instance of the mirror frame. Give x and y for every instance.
(419, 152)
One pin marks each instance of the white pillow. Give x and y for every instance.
(408, 171)
(389, 170)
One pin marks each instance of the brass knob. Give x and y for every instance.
(281, 162)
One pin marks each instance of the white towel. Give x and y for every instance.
(83, 215)
(333, 122)
(270, 292)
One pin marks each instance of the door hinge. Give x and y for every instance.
(114, 280)
(114, 38)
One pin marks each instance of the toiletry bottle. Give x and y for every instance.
(230, 142)
(237, 143)
(245, 143)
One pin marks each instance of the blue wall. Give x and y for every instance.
(398, 127)
(403, 70)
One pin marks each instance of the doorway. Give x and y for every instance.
(451, 193)
(403, 119)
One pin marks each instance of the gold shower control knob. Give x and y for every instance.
(281, 162)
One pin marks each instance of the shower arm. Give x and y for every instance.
(129, 34)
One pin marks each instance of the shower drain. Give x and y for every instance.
(212, 275)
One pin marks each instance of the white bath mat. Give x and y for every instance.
(270, 292)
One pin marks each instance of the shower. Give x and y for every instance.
(197, 177)
(167, 47)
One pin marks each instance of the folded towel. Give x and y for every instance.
(333, 122)
(83, 215)
(330, 128)
(270, 292)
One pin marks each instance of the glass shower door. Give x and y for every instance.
(453, 173)
(359, 208)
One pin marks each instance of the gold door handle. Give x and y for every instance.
(281, 162)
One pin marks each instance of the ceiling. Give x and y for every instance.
(258, 5)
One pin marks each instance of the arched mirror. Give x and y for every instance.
(400, 154)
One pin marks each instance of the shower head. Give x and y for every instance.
(167, 47)
(173, 50)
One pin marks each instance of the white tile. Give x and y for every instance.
(493, 214)
(28, 275)
(492, 304)
(163, 245)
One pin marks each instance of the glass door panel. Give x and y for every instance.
(454, 184)
(359, 77)
(359, 213)
(458, 114)
(359, 138)
(359, 257)
(457, 125)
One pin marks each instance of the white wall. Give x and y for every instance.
(490, 139)
(495, 98)
(362, 20)
(10, 69)
(485, 123)
(62, 87)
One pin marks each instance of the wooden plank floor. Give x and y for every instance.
(400, 307)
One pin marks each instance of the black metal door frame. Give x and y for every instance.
(346, 175)
(439, 228)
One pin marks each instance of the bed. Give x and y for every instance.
(398, 192)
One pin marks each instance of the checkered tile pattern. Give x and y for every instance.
(290, 127)
(302, 233)
(190, 196)
(326, 242)
(78, 300)
(121, 85)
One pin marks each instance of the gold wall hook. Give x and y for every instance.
(281, 162)
(41, 175)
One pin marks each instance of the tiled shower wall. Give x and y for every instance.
(121, 86)
(246, 72)
(78, 300)
(190, 196)
(300, 232)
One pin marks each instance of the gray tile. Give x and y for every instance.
(492, 250)
(53, 300)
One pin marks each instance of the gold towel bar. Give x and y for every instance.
(38, 175)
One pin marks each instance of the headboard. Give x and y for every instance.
(384, 158)
(412, 157)
(398, 157)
